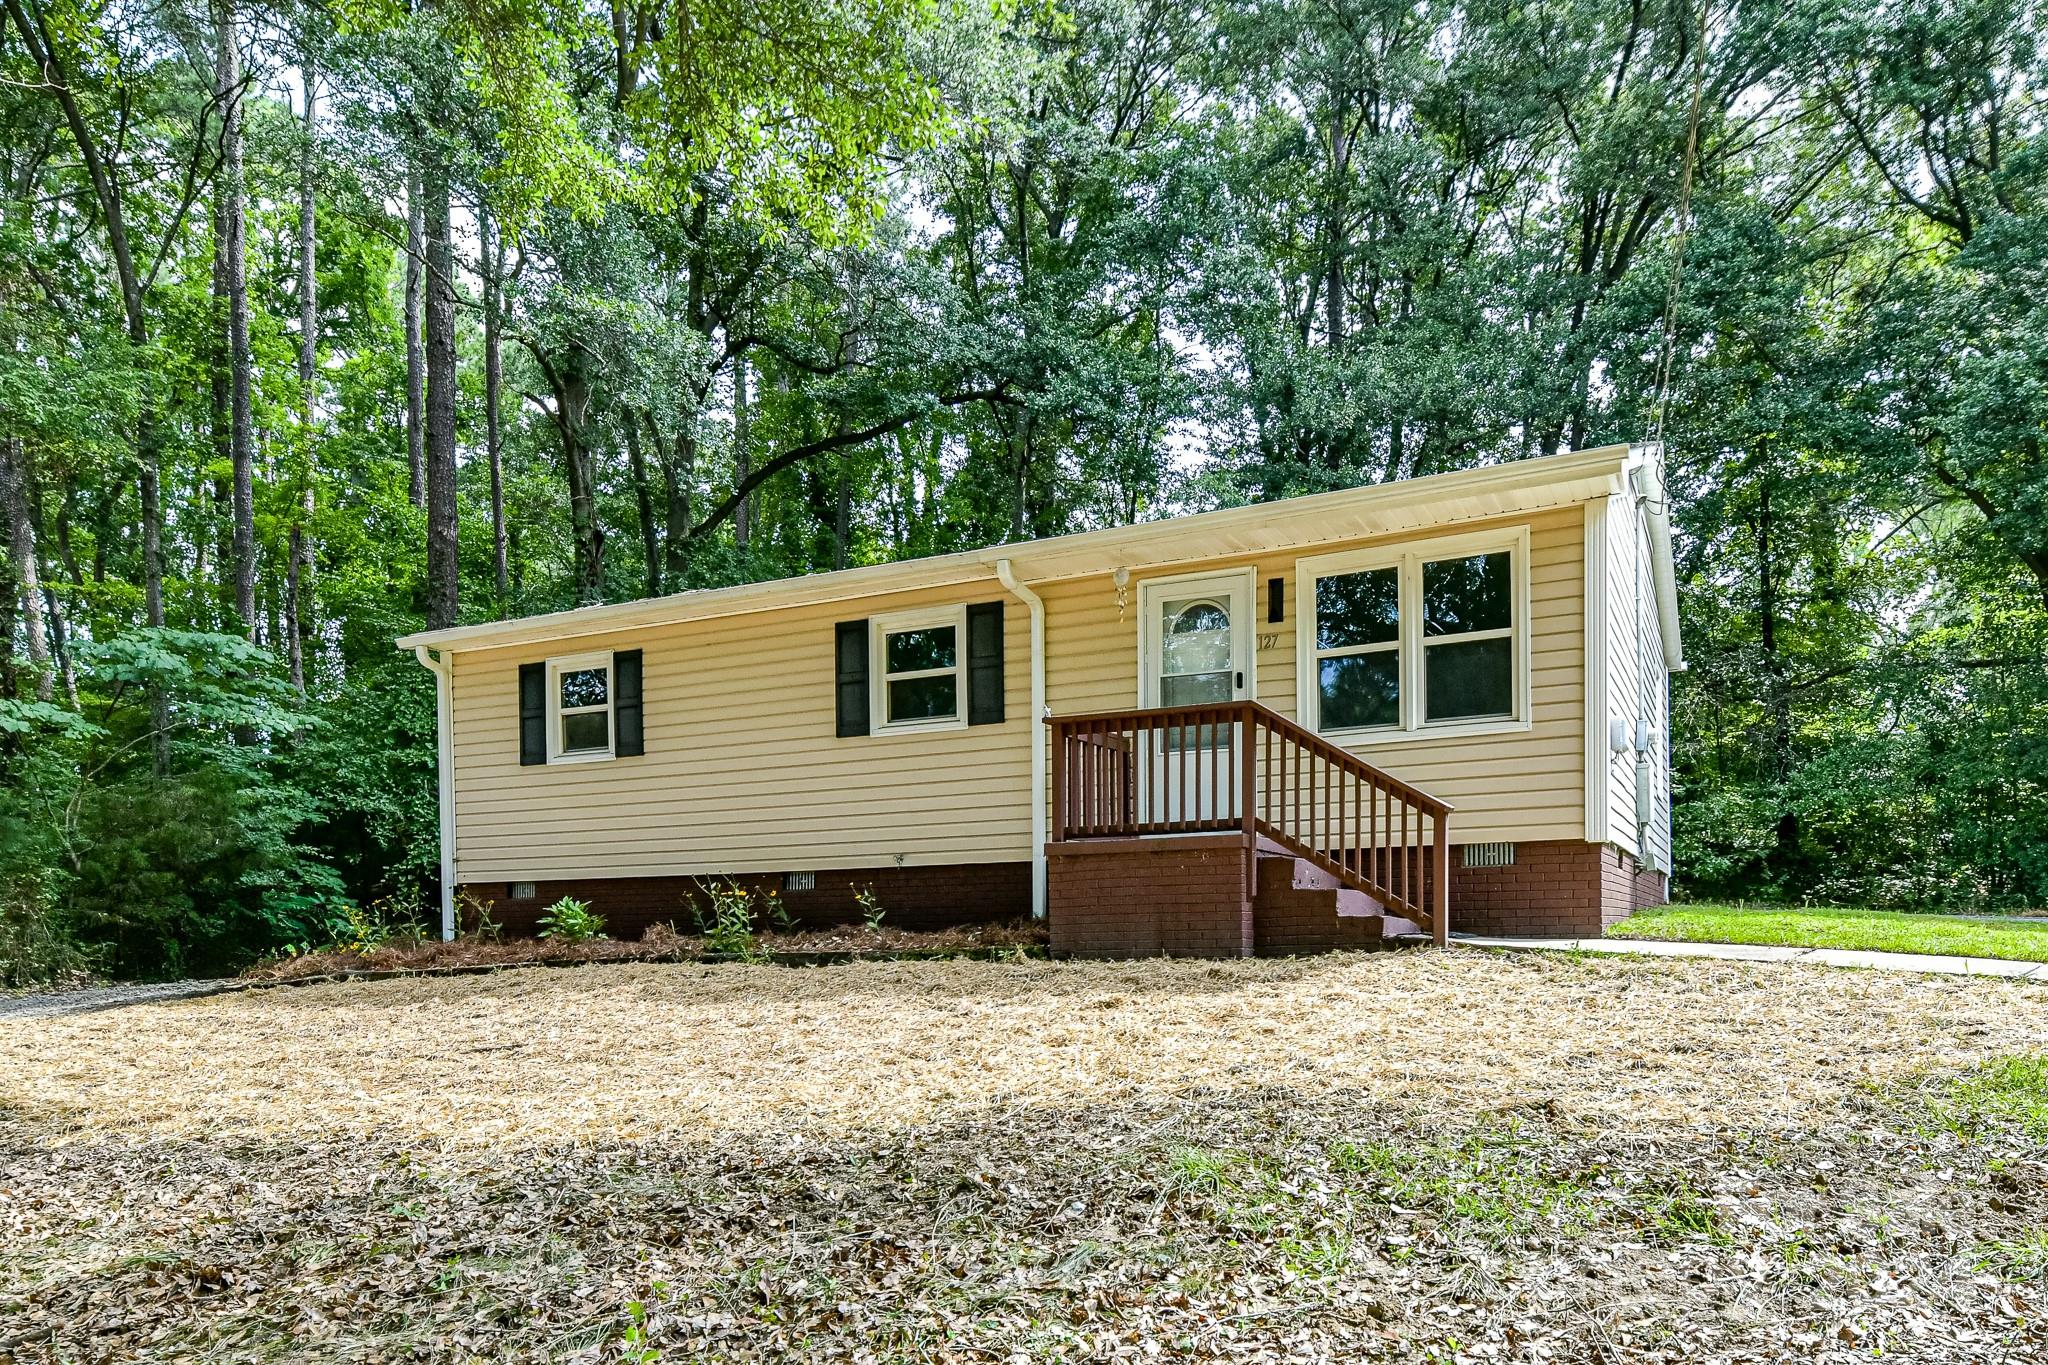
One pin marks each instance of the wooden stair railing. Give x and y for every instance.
(1240, 767)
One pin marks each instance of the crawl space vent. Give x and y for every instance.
(1487, 855)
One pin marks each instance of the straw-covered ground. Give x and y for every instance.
(1415, 1157)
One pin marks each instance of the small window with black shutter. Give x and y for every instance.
(936, 668)
(580, 708)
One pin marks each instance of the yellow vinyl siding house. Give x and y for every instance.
(1189, 735)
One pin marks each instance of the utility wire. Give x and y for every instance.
(1692, 145)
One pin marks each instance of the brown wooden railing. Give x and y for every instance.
(1243, 768)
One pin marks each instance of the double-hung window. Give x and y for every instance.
(1417, 639)
(580, 701)
(919, 669)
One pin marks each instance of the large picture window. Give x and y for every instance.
(580, 705)
(1418, 638)
(919, 668)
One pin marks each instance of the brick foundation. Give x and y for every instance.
(911, 897)
(1556, 888)
(1148, 898)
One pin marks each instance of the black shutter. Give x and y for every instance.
(533, 714)
(985, 663)
(627, 743)
(850, 643)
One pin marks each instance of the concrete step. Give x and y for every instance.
(1352, 903)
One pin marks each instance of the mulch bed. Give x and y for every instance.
(1423, 1157)
(661, 943)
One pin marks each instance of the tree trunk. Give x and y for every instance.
(1333, 291)
(106, 188)
(742, 454)
(230, 191)
(299, 570)
(643, 498)
(26, 585)
(679, 481)
(415, 353)
(1779, 702)
(31, 492)
(443, 566)
(221, 427)
(842, 514)
(571, 383)
(494, 383)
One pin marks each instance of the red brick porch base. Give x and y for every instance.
(1555, 888)
(1179, 897)
(1184, 897)
(911, 897)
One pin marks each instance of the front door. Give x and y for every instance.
(1194, 650)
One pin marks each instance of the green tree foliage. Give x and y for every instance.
(786, 288)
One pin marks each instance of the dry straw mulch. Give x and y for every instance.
(1426, 1156)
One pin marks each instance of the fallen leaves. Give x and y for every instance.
(1376, 1157)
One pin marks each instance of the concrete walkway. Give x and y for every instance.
(56, 1004)
(1751, 952)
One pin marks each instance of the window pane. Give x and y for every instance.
(1194, 637)
(1358, 608)
(923, 699)
(586, 731)
(1360, 689)
(910, 651)
(1460, 595)
(585, 687)
(1469, 678)
(1195, 689)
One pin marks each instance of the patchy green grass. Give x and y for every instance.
(1884, 931)
(2007, 1090)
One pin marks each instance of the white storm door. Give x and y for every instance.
(1194, 649)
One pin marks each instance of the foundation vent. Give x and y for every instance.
(520, 891)
(799, 881)
(1486, 855)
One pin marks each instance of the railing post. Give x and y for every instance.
(1440, 884)
(1248, 821)
(1059, 781)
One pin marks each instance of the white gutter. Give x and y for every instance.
(1038, 740)
(444, 762)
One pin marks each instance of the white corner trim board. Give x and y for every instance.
(444, 764)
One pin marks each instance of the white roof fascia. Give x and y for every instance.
(1258, 528)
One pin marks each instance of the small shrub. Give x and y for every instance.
(366, 928)
(870, 906)
(34, 950)
(726, 918)
(775, 912)
(570, 920)
(473, 914)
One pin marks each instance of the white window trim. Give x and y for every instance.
(1409, 558)
(576, 663)
(880, 628)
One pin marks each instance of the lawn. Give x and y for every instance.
(1424, 1156)
(1886, 931)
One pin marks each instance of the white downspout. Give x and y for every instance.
(1038, 712)
(444, 762)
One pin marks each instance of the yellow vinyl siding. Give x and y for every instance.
(743, 771)
(1524, 784)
